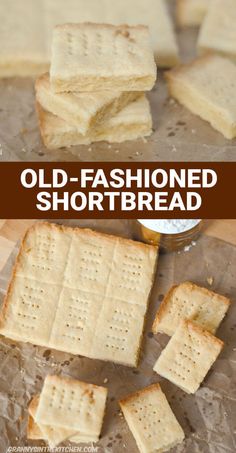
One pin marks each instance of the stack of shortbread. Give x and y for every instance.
(67, 409)
(95, 89)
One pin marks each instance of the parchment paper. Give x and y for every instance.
(208, 417)
(178, 135)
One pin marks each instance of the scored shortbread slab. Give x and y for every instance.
(218, 31)
(72, 405)
(188, 356)
(131, 123)
(82, 110)
(191, 12)
(204, 90)
(94, 57)
(67, 280)
(151, 420)
(189, 301)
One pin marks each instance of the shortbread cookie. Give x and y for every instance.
(151, 420)
(218, 31)
(53, 435)
(189, 301)
(191, 13)
(82, 110)
(94, 57)
(204, 90)
(154, 14)
(133, 122)
(67, 280)
(188, 356)
(71, 405)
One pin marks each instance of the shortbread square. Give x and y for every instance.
(151, 420)
(206, 91)
(82, 110)
(131, 123)
(188, 356)
(94, 57)
(189, 301)
(218, 31)
(53, 435)
(66, 313)
(191, 13)
(73, 405)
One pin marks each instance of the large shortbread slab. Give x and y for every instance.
(218, 31)
(82, 110)
(188, 356)
(189, 301)
(69, 404)
(94, 57)
(205, 90)
(191, 13)
(67, 280)
(131, 123)
(151, 420)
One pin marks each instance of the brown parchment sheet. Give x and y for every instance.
(178, 135)
(208, 417)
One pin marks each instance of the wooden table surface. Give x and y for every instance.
(12, 230)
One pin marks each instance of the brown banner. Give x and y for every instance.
(117, 190)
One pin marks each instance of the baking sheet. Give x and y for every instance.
(208, 417)
(178, 135)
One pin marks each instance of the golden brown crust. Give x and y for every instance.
(207, 336)
(191, 286)
(41, 80)
(133, 396)
(94, 25)
(162, 309)
(54, 379)
(5, 301)
(33, 431)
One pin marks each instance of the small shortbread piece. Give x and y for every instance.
(206, 91)
(189, 301)
(151, 420)
(94, 57)
(188, 356)
(82, 110)
(71, 405)
(53, 435)
(80, 291)
(190, 13)
(218, 31)
(131, 123)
